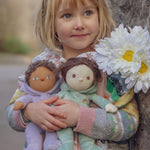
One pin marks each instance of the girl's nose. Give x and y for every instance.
(79, 24)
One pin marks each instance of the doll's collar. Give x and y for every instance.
(91, 90)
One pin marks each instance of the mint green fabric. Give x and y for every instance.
(81, 98)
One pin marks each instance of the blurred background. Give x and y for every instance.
(19, 44)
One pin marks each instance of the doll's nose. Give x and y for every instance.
(42, 79)
(81, 79)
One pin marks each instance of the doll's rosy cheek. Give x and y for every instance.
(88, 77)
(73, 76)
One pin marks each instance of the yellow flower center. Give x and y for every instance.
(128, 56)
(143, 68)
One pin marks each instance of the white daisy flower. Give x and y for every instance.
(119, 32)
(103, 56)
(127, 52)
(141, 79)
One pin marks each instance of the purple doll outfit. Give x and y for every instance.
(34, 138)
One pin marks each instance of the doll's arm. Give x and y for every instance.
(104, 103)
(22, 102)
(15, 118)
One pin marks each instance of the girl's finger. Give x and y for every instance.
(55, 112)
(50, 100)
(50, 127)
(59, 102)
(46, 128)
(56, 123)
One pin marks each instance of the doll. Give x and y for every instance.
(40, 83)
(80, 76)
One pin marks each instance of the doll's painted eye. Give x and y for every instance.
(35, 78)
(48, 77)
(88, 77)
(73, 76)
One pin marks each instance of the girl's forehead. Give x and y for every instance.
(72, 3)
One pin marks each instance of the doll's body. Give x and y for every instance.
(80, 87)
(33, 132)
(82, 98)
(40, 84)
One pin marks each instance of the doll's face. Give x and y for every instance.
(42, 79)
(80, 77)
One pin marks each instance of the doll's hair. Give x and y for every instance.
(63, 69)
(45, 25)
(45, 63)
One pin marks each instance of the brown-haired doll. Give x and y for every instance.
(41, 82)
(80, 77)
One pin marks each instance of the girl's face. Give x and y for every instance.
(77, 27)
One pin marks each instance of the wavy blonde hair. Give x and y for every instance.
(45, 26)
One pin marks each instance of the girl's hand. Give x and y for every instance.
(71, 111)
(42, 114)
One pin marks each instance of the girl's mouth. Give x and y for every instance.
(79, 35)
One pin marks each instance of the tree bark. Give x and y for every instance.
(141, 141)
(131, 12)
(136, 13)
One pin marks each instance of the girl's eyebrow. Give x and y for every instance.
(90, 7)
(61, 11)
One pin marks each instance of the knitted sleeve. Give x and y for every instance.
(98, 124)
(15, 119)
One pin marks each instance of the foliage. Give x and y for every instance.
(13, 45)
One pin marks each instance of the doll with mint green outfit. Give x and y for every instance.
(79, 85)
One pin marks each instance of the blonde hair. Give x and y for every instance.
(45, 26)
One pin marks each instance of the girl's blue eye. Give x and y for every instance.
(88, 13)
(67, 16)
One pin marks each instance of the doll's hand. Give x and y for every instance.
(18, 105)
(70, 109)
(42, 114)
(111, 108)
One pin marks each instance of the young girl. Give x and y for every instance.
(70, 28)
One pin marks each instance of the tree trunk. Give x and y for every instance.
(141, 140)
(132, 13)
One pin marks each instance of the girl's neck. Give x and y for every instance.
(69, 53)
